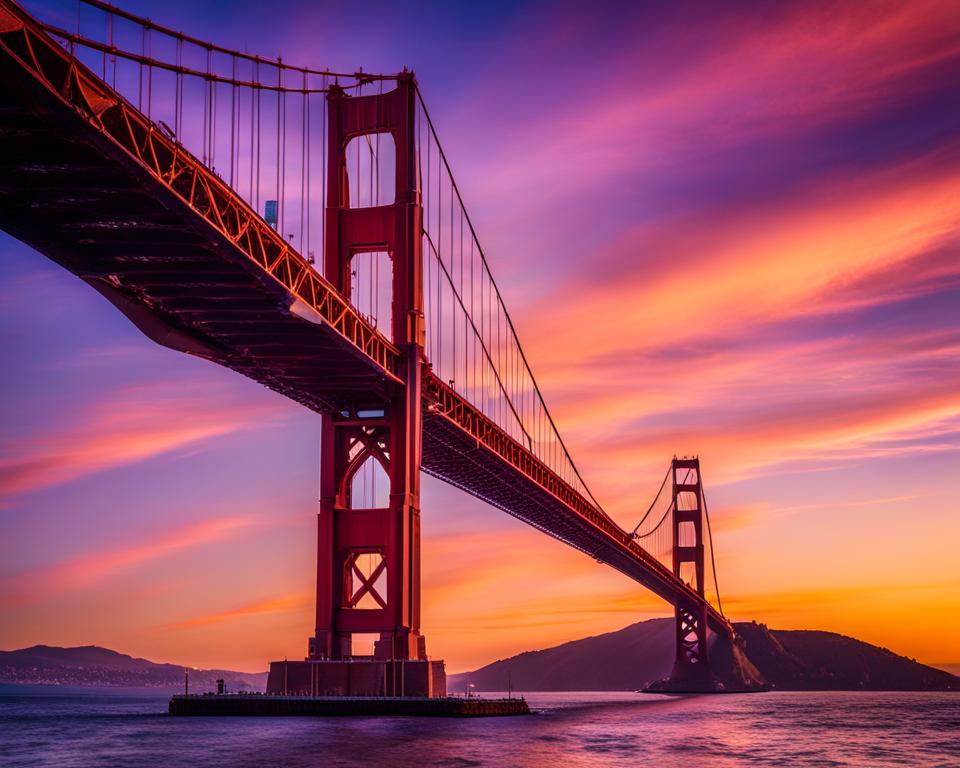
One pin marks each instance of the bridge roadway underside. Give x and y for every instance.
(74, 195)
(77, 196)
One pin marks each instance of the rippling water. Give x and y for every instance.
(45, 727)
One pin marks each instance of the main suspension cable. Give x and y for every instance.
(144, 60)
(177, 35)
(633, 534)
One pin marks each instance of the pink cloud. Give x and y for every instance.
(735, 274)
(774, 75)
(129, 425)
(84, 570)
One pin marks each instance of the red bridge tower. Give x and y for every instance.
(692, 663)
(384, 597)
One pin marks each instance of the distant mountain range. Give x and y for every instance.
(91, 665)
(633, 657)
(626, 660)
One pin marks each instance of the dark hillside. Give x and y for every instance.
(92, 665)
(634, 657)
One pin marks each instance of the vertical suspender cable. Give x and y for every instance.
(143, 32)
(213, 125)
(370, 153)
(206, 109)
(309, 184)
(104, 52)
(453, 307)
(440, 258)
(277, 137)
(254, 95)
(113, 58)
(259, 133)
(473, 367)
(178, 97)
(149, 81)
(466, 327)
(376, 201)
(426, 208)
(324, 133)
(210, 110)
(282, 197)
(233, 120)
(303, 166)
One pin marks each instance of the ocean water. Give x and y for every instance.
(50, 727)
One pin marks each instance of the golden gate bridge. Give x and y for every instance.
(193, 185)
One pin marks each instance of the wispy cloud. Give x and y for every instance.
(745, 272)
(656, 110)
(90, 568)
(271, 605)
(126, 426)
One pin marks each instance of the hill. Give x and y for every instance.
(92, 665)
(633, 657)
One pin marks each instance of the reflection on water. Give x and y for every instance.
(46, 727)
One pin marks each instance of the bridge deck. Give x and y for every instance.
(87, 181)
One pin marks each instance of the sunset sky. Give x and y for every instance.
(723, 229)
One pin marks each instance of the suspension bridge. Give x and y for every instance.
(303, 228)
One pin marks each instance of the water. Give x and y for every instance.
(51, 727)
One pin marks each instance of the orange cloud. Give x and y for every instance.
(745, 273)
(270, 605)
(733, 518)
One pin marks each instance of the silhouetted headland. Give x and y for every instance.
(640, 654)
